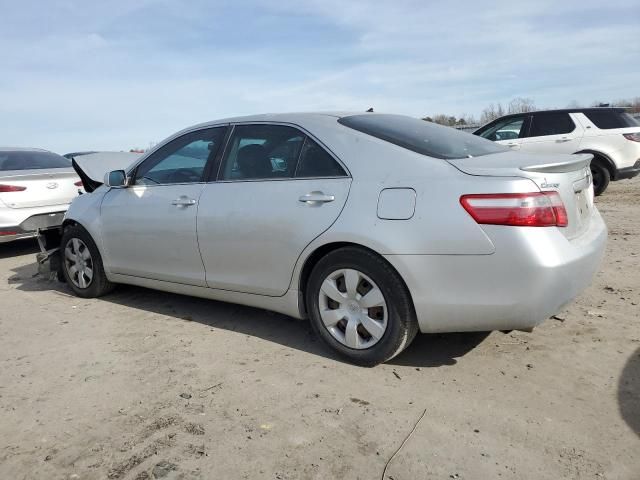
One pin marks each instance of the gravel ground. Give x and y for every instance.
(142, 384)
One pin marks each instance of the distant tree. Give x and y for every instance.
(428, 119)
(443, 119)
(574, 104)
(491, 113)
(467, 119)
(632, 105)
(521, 105)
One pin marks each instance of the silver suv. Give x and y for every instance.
(610, 134)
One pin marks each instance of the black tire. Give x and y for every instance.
(402, 324)
(99, 285)
(601, 176)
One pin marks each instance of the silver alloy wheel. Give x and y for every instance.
(353, 308)
(78, 263)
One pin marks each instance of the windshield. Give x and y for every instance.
(31, 160)
(421, 136)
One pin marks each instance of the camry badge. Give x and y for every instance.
(52, 185)
(549, 185)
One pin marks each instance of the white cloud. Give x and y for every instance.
(124, 73)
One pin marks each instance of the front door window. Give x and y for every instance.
(181, 161)
(508, 129)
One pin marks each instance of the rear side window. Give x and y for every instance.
(26, 160)
(608, 119)
(316, 162)
(422, 137)
(553, 123)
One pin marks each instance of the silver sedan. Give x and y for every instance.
(373, 226)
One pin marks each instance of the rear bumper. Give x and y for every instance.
(628, 172)
(533, 273)
(29, 227)
(10, 235)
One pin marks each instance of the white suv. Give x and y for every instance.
(610, 134)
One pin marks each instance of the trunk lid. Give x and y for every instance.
(569, 175)
(41, 187)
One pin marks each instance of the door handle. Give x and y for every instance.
(183, 202)
(563, 139)
(513, 145)
(316, 197)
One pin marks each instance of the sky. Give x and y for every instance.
(118, 74)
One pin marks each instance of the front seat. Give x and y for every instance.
(253, 161)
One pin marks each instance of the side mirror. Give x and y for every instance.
(116, 179)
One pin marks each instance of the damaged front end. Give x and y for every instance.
(49, 260)
(49, 238)
(91, 168)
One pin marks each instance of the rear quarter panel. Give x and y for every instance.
(439, 226)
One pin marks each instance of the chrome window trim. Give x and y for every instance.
(286, 124)
(216, 178)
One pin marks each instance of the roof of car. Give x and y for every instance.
(291, 117)
(568, 110)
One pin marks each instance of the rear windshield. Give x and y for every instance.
(28, 160)
(608, 119)
(421, 136)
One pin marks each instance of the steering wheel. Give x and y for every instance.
(151, 180)
(185, 175)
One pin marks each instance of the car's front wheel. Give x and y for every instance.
(82, 264)
(359, 305)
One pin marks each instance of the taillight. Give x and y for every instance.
(78, 184)
(634, 137)
(11, 188)
(537, 209)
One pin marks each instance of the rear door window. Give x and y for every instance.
(609, 119)
(262, 151)
(552, 123)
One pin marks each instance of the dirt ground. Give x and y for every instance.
(142, 384)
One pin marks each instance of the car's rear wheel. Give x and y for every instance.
(82, 264)
(359, 305)
(601, 177)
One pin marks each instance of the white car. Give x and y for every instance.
(36, 188)
(611, 135)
